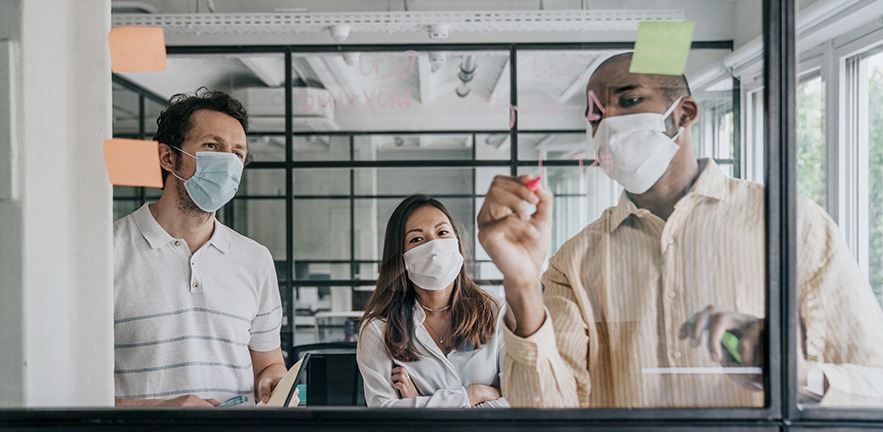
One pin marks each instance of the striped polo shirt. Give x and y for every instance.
(185, 323)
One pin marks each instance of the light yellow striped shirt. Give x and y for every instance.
(618, 293)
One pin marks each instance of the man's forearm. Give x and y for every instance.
(526, 303)
(272, 370)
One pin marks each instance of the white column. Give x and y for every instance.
(56, 301)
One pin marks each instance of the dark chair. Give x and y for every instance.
(322, 348)
(332, 374)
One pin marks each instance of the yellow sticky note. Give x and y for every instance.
(137, 49)
(133, 162)
(662, 47)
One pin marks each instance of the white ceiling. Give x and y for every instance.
(402, 90)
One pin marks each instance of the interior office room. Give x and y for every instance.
(354, 105)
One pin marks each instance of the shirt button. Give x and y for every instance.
(177, 243)
(670, 294)
(676, 354)
(195, 285)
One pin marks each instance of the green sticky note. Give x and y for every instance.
(662, 47)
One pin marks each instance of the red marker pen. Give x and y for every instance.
(533, 184)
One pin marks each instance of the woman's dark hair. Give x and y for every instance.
(473, 311)
(174, 123)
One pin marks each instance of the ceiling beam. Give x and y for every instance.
(499, 88)
(580, 82)
(424, 75)
(269, 69)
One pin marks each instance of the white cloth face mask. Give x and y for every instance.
(434, 264)
(634, 150)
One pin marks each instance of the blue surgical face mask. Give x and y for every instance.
(215, 181)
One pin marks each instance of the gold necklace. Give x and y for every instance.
(440, 340)
(434, 310)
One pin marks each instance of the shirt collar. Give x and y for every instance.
(156, 236)
(712, 183)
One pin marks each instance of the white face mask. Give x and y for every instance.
(435, 264)
(634, 150)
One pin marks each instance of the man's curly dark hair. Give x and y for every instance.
(174, 123)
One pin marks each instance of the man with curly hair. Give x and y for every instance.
(197, 310)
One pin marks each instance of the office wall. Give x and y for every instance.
(56, 306)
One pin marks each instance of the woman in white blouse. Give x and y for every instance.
(430, 336)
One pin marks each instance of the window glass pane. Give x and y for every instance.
(126, 192)
(408, 90)
(811, 140)
(126, 112)
(321, 229)
(413, 147)
(875, 172)
(152, 110)
(263, 221)
(263, 182)
(407, 181)
(552, 88)
(321, 181)
(496, 146)
(123, 208)
(557, 146)
(313, 148)
(401, 112)
(839, 257)
(266, 148)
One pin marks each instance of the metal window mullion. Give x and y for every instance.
(737, 130)
(780, 202)
(513, 111)
(861, 169)
(289, 201)
(142, 134)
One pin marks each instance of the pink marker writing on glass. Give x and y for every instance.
(533, 184)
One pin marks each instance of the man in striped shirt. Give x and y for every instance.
(638, 303)
(197, 310)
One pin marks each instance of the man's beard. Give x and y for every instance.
(185, 203)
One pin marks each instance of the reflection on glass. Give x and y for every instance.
(408, 90)
(552, 88)
(413, 147)
(495, 146)
(561, 146)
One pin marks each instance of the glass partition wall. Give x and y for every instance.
(369, 127)
(341, 135)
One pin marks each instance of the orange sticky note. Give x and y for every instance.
(137, 49)
(133, 162)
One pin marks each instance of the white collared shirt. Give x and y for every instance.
(184, 324)
(441, 380)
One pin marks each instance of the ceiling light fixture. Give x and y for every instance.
(339, 32)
